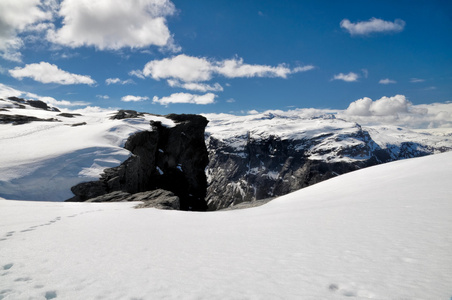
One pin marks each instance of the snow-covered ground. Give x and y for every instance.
(43, 160)
(377, 233)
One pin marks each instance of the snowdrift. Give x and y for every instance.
(377, 233)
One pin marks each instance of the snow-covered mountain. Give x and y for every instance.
(44, 152)
(274, 153)
(378, 233)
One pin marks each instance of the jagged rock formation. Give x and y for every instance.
(126, 114)
(269, 156)
(33, 103)
(21, 119)
(168, 158)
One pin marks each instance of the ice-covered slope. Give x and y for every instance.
(377, 233)
(43, 160)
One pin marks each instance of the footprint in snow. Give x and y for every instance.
(50, 295)
(345, 292)
(8, 266)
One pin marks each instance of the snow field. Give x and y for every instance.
(378, 233)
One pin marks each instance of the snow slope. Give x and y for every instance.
(43, 160)
(378, 233)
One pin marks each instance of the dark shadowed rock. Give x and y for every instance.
(125, 114)
(33, 103)
(21, 119)
(78, 124)
(69, 115)
(167, 158)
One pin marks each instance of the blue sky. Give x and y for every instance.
(225, 56)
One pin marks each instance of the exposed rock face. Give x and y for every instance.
(34, 103)
(271, 157)
(21, 119)
(168, 158)
(125, 114)
(69, 115)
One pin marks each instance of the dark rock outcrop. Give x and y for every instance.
(78, 124)
(33, 103)
(69, 115)
(21, 119)
(168, 158)
(126, 114)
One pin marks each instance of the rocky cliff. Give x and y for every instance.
(167, 158)
(264, 156)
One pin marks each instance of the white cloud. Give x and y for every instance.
(208, 98)
(48, 73)
(7, 91)
(397, 110)
(365, 73)
(387, 81)
(233, 68)
(252, 112)
(195, 69)
(109, 81)
(18, 16)
(231, 100)
(103, 97)
(371, 26)
(385, 106)
(416, 80)
(114, 24)
(350, 77)
(183, 67)
(194, 86)
(130, 98)
(137, 73)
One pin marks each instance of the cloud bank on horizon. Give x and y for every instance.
(100, 46)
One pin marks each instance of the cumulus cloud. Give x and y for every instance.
(385, 106)
(208, 98)
(350, 77)
(7, 91)
(109, 81)
(48, 73)
(182, 67)
(397, 110)
(196, 69)
(19, 16)
(387, 81)
(114, 24)
(195, 86)
(130, 98)
(372, 26)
